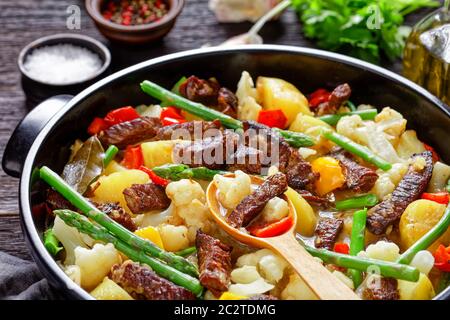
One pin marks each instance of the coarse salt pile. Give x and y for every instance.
(62, 64)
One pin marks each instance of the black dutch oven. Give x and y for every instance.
(46, 133)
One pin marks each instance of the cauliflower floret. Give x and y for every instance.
(382, 250)
(387, 181)
(95, 264)
(184, 191)
(233, 190)
(351, 127)
(252, 259)
(272, 267)
(392, 123)
(245, 275)
(246, 87)
(251, 289)
(189, 198)
(70, 239)
(248, 109)
(154, 218)
(275, 209)
(175, 238)
(74, 273)
(297, 289)
(424, 261)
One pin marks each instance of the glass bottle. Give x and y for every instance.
(426, 59)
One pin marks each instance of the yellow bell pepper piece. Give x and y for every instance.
(152, 234)
(306, 218)
(279, 94)
(331, 175)
(231, 296)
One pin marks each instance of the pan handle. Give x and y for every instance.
(26, 132)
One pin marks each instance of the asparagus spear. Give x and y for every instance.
(351, 105)
(367, 200)
(428, 239)
(110, 153)
(357, 149)
(295, 139)
(177, 172)
(333, 119)
(387, 269)
(186, 252)
(175, 89)
(74, 219)
(116, 229)
(51, 243)
(357, 242)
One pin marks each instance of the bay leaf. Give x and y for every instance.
(86, 165)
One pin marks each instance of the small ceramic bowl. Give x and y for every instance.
(36, 90)
(136, 34)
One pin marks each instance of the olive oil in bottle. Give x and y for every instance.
(426, 58)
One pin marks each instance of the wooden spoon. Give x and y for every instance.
(325, 285)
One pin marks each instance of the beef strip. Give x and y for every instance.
(254, 203)
(214, 260)
(339, 95)
(141, 198)
(195, 129)
(381, 289)
(413, 184)
(299, 172)
(130, 132)
(317, 201)
(357, 177)
(327, 232)
(142, 283)
(56, 201)
(227, 102)
(246, 159)
(118, 214)
(209, 152)
(210, 93)
(199, 90)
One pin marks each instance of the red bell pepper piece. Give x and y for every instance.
(435, 155)
(97, 125)
(273, 229)
(171, 115)
(442, 258)
(167, 121)
(154, 177)
(272, 118)
(171, 112)
(439, 197)
(121, 115)
(133, 158)
(341, 247)
(319, 96)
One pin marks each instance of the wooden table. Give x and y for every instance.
(22, 21)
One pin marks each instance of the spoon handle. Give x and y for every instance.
(316, 276)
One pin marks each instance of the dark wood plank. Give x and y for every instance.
(22, 21)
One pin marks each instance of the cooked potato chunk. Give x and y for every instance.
(409, 144)
(112, 186)
(174, 238)
(279, 94)
(441, 174)
(157, 153)
(109, 290)
(419, 217)
(420, 290)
